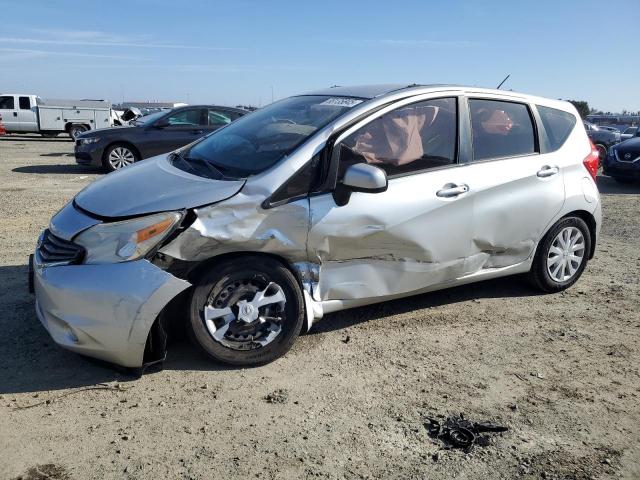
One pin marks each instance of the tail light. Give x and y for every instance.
(592, 161)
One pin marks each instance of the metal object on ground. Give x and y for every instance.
(458, 432)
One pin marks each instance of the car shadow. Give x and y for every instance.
(30, 361)
(57, 154)
(57, 169)
(33, 138)
(608, 186)
(497, 288)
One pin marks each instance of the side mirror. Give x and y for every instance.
(360, 177)
(162, 123)
(363, 177)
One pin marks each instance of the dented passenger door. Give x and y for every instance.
(412, 236)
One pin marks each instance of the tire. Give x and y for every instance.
(246, 341)
(119, 155)
(75, 130)
(602, 152)
(542, 270)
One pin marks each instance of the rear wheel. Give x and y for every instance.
(246, 311)
(602, 152)
(562, 255)
(119, 156)
(75, 130)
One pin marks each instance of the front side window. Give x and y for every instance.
(501, 129)
(558, 124)
(6, 103)
(258, 141)
(185, 118)
(24, 102)
(411, 138)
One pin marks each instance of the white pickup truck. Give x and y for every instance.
(32, 114)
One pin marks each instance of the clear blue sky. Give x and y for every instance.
(235, 51)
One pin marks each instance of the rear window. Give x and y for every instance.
(501, 129)
(558, 125)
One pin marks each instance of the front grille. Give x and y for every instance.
(54, 249)
(622, 156)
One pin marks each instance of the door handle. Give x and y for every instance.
(547, 171)
(452, 190)
(15, 114)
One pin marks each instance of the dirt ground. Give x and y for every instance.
(352, 398)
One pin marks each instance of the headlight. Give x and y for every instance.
(126, 240)
(88, 141)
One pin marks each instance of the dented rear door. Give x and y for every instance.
(516, 191)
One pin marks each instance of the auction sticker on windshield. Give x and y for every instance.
(341, 102)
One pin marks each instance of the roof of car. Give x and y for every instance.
(241, 110)
(370, 91)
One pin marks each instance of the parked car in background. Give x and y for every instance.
(313, 204)
(32, 114)
(602, 139)
(629, 133)
(613, 130)
(151, 135)
(623, 161)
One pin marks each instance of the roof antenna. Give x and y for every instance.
(505, 79)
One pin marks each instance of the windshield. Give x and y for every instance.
(258, 141)
(148, 118)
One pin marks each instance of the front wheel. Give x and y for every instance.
(562, 255)
(119, 156)
(246, 311)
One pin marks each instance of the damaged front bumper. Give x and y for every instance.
(103, 311)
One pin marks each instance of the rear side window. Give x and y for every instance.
(501, 129)
(6, 103)
(185, 118)
(24, 102)
(218, 118)
(558, 125)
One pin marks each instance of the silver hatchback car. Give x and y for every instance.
(313, 204)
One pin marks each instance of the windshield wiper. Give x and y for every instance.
(217, 171)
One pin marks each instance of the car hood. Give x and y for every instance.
(150, 186)
(105, 132)
(631, 145)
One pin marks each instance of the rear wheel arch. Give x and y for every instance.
(588, 218)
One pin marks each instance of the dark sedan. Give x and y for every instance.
(602, 139)
(623, 161)
(162, 132)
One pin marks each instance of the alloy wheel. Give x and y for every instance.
(566, 254)
(246, 314)
(120, 157)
